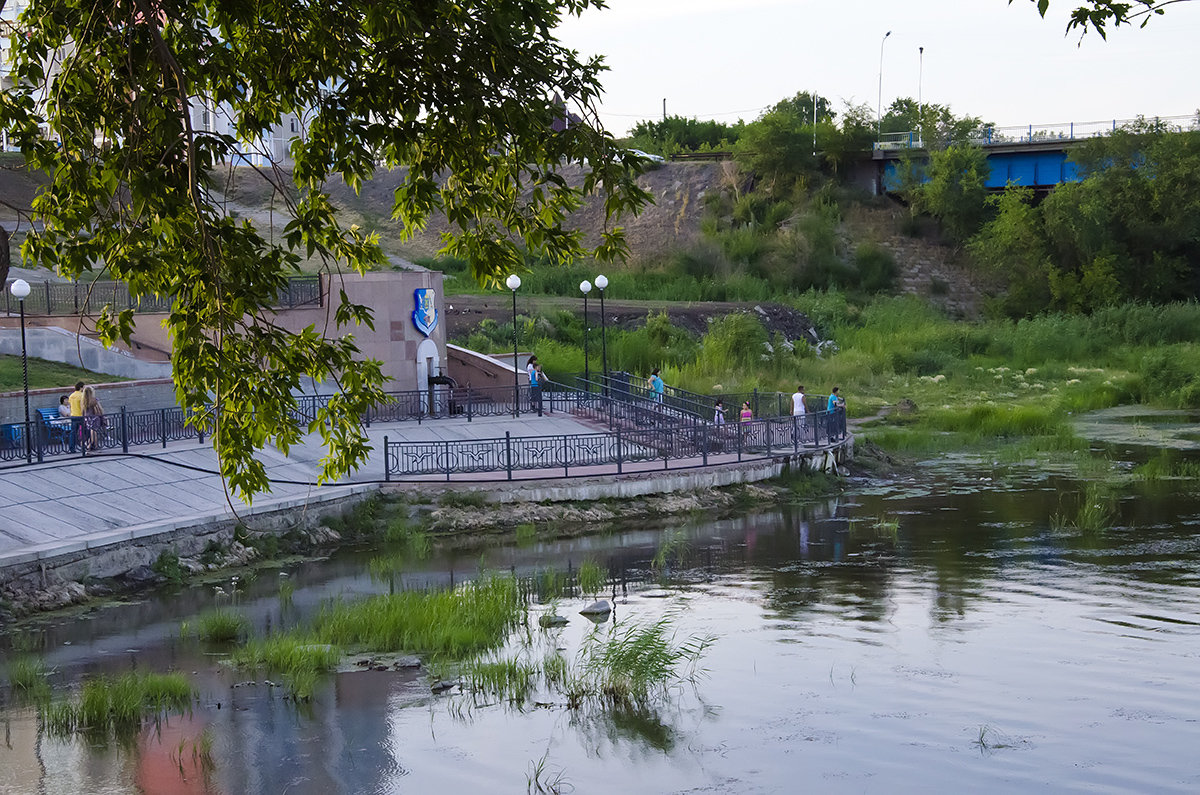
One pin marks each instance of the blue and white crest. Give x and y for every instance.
(425, 316)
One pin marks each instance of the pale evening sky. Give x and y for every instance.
(725, 59)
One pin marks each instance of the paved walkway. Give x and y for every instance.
(66, 502)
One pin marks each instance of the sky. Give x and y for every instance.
(730, 59)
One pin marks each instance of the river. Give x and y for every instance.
(942, 632)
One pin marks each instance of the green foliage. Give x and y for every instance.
(636, 662)
(1012, 249)
(463, 499)
(465, 99)
(299, 658)
(677, 134)
(734, 342)
(472, 618)
(120, 704)
(167, 565)
(956, 192)
(28, 679)
(1097, 15)
(222, 625)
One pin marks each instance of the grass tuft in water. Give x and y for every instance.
(635, 663)
(28, 679)
(119, 704)
(508, 679)
(221, 626)
(1095, 513)
(526, 533)
(469, 619)
(299, 659)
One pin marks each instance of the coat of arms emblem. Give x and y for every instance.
(425, 316)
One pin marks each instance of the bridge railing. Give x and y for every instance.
(1035, 133)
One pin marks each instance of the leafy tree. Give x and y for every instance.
(458, 95)
(1099, 14)
(1012, 250)
(779, 146)
(1131, 228)
(956, 192)
(936, 125)
(676, 133)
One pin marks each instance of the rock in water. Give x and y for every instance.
(552, 621)
(597, 609)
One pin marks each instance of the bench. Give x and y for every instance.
(58, 429)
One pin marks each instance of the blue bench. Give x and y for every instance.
(58, 429)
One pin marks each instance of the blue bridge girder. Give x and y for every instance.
(1037, 164)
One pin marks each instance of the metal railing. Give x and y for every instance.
(1036, 133)
(680, 447)
(120, 430)
(84, 298)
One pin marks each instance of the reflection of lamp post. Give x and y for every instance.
(601, 283)
(20, 290)
(585, 287)
(513, 282)
(879, 118)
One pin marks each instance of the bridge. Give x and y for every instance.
(1032, 156)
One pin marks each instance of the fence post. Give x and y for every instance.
(566, 458)
(387, 463)
(756, 411)
(740, 427)
(470, 403)
(704, 444)
(48, 310)
(508, 452)
(447, 460)
(124, 430)
(39, 442)
(618, 451)
(778, 404)
(162, 424)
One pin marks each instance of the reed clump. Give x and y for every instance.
(28, 679)
(221, 626)
(119, 704)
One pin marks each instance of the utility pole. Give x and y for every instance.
(664, 108)
(879, 115)
(920, 104)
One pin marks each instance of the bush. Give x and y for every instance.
(876, 268)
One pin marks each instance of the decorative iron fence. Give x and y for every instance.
(76, 298)
(680, 447)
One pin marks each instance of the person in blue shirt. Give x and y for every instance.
(834, 400)
(656, 386)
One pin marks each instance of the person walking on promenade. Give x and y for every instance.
(93, 418)
(534, 371)
(798, 411)
(747, 415)
(831, 407)
(75, 399)
(656, 386)
(719, 414)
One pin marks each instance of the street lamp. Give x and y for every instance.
(920, 104)
(879, 117)
(513, 282)
(20, 291)
(601, 284)
(585, 287)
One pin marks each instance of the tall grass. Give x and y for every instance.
(468, 619)
(591, 578)
(635, 663)
(28, 679)
(221, 626)
(120, 704)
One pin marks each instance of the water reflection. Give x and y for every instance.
(866, 642)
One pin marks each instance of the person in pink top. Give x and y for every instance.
(747, 414)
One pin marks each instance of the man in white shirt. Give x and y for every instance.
(798, 411)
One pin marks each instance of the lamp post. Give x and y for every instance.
(513, 282)
(585, 287)
(879, 116)
(601, 284)
(920, 104)
(20, 290)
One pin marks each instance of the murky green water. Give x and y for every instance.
(937, 634)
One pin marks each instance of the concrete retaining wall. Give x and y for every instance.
(55, 344)
(114, 553)
(157, 393)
